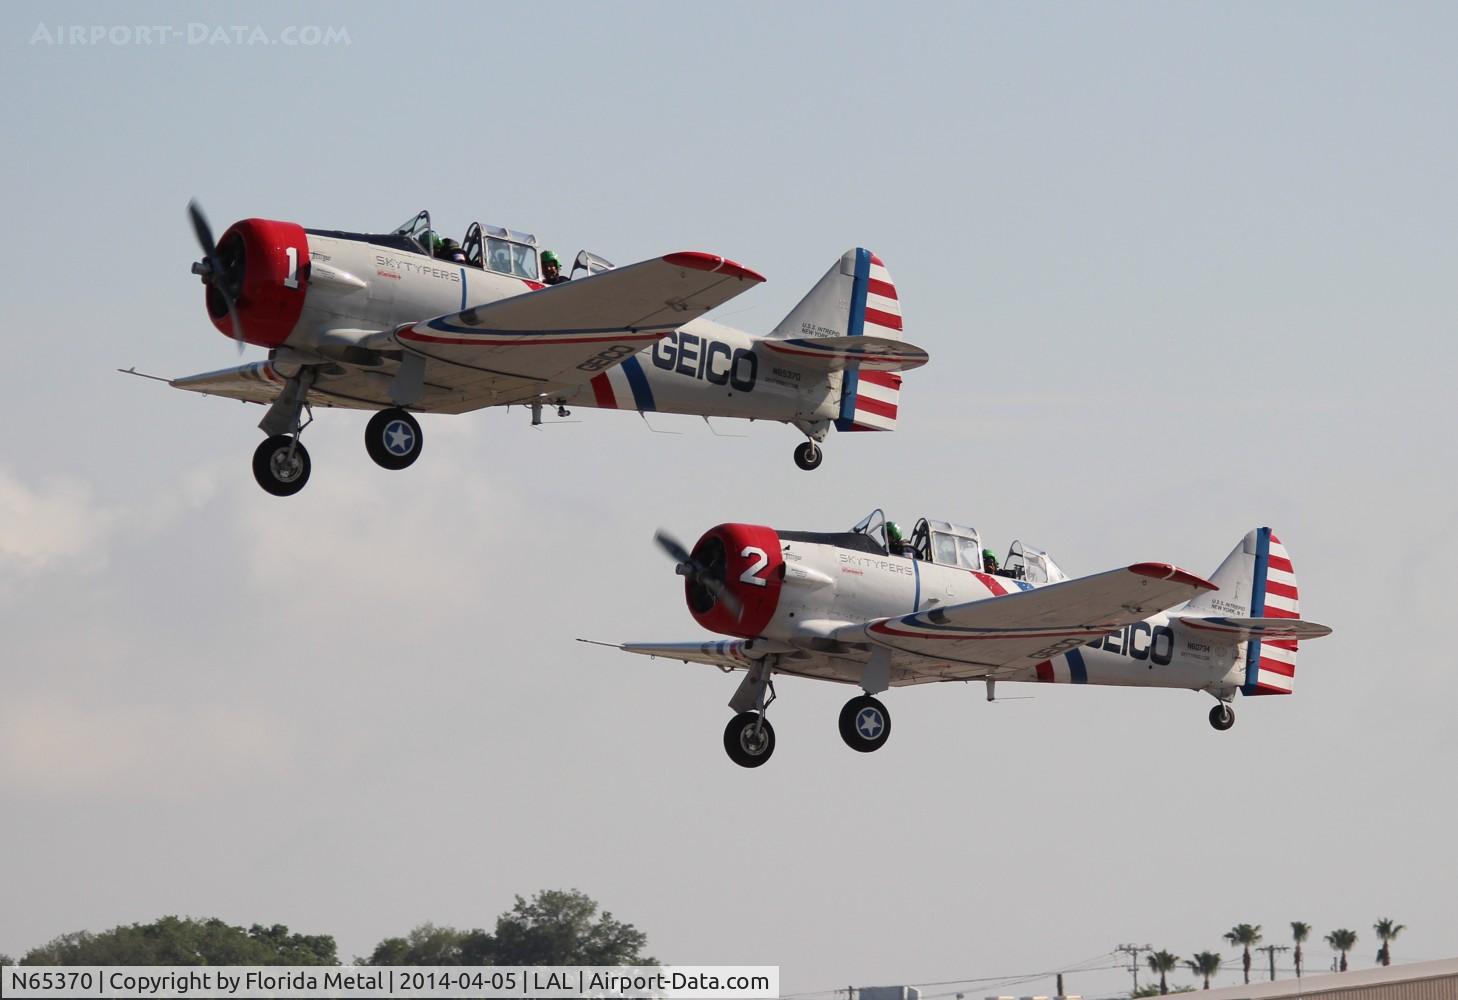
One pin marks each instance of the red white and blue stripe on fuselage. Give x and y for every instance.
(624, 387)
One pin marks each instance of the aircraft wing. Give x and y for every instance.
(726, 654)
(1000, 635)
(565, 334)
(255, 382)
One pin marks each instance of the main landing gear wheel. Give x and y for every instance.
(281, 465)
(1222, 716)
(749, 739)
(808, 456)
(864, 724)
(393, 439)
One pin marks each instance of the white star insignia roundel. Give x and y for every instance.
(869, 723)
(398, 438)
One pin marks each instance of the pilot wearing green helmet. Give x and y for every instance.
(552, 268)
(989, 561)
(896, 542)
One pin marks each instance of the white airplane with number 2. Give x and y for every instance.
(842, 606)
(405, 322)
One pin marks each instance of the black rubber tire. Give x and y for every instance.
(808, 455)
(860, 715)
(390, 431)
(1222, 717)
(273, 470)
(739, 744)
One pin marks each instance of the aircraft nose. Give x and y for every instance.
(263, 267)
(747, 569)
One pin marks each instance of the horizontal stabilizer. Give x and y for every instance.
(1241, 629)
(878, 354)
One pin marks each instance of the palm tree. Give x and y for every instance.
(1387, 930)
(1162, 962)
(1245, 935)
(1206, 964)
(1300, 932)
(1342, 941)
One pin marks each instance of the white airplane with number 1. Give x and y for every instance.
(843, 606)
(404, 323)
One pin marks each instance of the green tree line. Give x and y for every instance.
(554, 927)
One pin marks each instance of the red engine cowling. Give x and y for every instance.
(266, 268)
(747, 558)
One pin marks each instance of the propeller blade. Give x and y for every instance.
(669, 544)
(689, 567)
(215, 276)
(201, 228)
(724, 596)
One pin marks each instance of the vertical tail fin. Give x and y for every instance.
(869, 401)
(855, 298)
(1270, 666)
(1257, 581)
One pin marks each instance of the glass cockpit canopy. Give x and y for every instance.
(953, 544)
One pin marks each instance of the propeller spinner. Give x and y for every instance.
(708, 575)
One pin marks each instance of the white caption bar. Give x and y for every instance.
(567, 982)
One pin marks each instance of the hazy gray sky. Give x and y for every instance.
(1183, 270)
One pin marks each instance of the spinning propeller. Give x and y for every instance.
(709, 576)
(211, 268)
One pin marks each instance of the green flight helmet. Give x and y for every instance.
(893, 533)
(548, 257)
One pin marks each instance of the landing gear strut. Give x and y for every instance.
(393, 439)
(865, 725)
(1222, 716)
(281, 463)
(749, 739)
(808, 455)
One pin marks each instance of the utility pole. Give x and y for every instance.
(1133, 950)
(1270, 951)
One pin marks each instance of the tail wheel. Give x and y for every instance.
(749, 739)
(393, 439)
(865, 725)
(808, 456)
(1222, 717)
(281, 465)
